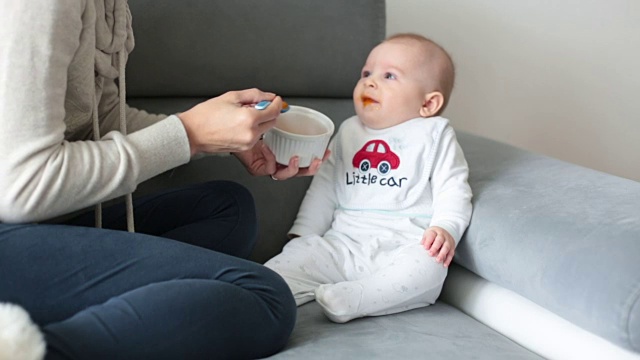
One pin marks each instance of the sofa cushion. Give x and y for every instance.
(564, 236)
(291, 47)
(439, 331)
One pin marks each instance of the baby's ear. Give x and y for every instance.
(433, 102)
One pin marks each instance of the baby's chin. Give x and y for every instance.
(378, 121)
(373, 122)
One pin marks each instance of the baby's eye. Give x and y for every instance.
(366, 74)
(389, 76)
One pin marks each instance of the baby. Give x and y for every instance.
(380, 222)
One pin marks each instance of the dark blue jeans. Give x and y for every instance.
(110, 294)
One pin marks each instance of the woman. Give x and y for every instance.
(96, 291)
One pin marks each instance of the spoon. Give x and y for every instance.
(264, 103)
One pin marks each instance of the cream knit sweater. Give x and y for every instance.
(58, 64)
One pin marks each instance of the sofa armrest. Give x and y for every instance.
(563, 236)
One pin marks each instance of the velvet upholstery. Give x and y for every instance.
(564, 236)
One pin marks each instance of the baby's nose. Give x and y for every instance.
(369, 82)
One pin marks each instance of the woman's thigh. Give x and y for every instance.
(218, 215)
(56, 270)
(101, 293)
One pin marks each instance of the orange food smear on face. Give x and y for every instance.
(366, 101)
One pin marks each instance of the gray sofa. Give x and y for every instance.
(550, 264)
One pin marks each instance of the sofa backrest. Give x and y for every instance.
(202, 48)
(308, 51)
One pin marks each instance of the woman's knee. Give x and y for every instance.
(240, 197)
(227, 218)
(283, 310)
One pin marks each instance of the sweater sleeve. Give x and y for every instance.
(320, 202)
(451, 191)
(41, 174)
(109, 111)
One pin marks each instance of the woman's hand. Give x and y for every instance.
(226, 124)
(261, 161)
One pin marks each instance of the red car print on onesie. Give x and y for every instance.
(376, 154)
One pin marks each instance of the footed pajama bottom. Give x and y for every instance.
(349, 279)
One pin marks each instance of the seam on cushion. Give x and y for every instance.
(632, 301)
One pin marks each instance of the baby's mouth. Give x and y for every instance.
(366, 101)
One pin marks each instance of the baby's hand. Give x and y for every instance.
(439, 243)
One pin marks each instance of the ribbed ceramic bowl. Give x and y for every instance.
(300, 131)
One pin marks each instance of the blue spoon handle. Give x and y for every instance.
(264, 103)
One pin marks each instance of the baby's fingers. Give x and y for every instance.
(449, 258)
(428, 238)
(436, 247)
(442, 254)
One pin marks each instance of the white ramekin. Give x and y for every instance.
(300, 131)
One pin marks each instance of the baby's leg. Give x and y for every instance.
(305, 263)
(413, 279)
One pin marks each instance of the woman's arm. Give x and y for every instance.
(109, 111)
(41, 174)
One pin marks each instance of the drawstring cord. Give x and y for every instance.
(96, 137)
(122, 86)
(123, 129)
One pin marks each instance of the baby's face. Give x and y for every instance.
(392, 86)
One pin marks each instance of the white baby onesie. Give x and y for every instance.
(364, 215)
